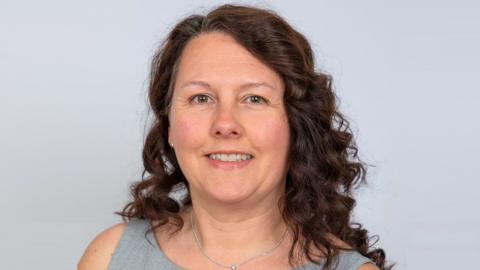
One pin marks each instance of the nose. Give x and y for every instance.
(225, 123)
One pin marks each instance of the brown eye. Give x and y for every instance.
(200, 99)
(256, 99)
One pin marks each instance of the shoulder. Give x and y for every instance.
(368, 266)
(99, 252)
(352, 258)
(348, 258)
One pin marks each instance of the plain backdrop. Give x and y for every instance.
(73, 110)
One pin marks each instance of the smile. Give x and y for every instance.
(230, 161)
(230, 157)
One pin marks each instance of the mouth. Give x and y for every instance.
(229, 157)
(229, 160)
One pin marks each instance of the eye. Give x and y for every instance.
(200, 99)
(256, 99)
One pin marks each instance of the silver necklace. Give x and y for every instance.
(236, 265)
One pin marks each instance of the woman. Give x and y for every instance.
(251, 133)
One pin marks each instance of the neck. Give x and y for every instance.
(232, 234)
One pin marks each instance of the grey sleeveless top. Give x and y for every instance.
(137, 252)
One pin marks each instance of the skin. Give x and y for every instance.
(235, 211)
(230, 110)
(227, 115)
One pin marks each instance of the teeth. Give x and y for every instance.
(230, 157)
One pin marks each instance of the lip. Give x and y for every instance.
(228, 165)
(228, 152)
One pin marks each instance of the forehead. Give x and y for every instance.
(217, 57)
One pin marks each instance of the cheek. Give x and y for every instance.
(271, 133)
(187, 130)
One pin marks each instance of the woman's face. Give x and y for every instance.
(228, 123)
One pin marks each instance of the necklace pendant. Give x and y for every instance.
(234, 267)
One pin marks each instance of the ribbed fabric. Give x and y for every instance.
(135, 251)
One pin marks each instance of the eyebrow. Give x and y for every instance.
(243, 86)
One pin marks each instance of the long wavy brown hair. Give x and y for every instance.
(323, 162)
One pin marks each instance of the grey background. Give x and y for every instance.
(73, 77)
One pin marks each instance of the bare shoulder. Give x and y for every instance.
(368, 266)
(100, 250)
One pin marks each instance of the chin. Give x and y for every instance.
(228, 194)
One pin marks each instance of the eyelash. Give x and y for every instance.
(192, 99)
(263, 100)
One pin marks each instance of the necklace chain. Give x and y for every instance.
(236, 265)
